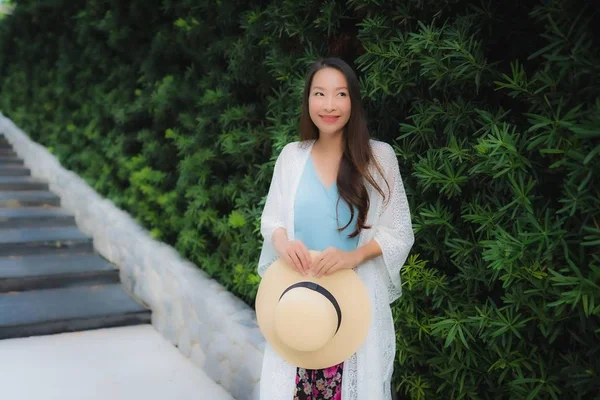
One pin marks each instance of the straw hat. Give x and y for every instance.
(311, 322)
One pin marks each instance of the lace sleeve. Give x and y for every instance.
(393, 232)
(272, 215)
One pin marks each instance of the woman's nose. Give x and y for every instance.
(329, 104)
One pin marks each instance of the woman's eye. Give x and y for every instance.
(321, 94)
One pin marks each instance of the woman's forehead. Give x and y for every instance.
(329, 78)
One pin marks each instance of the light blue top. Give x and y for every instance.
(315, 222)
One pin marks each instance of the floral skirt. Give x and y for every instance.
(319, 384)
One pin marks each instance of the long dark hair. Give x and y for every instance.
(357, 154)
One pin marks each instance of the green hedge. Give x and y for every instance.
(176, 110)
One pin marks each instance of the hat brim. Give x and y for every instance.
(351, 295)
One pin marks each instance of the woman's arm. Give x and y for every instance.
(293, 252)
(272, 217)
(333, 259)
(367, 252)
(393, 231)
(276, 243)
(279, 236)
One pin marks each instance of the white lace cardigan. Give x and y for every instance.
(367, 374)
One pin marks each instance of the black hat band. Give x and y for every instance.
(319, 289)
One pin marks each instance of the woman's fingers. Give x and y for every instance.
(288, 260)
(323, 267)
(295, 248)
(326, 261)
(320, 263)
(306, 258)
(295, 260)
(331, 268)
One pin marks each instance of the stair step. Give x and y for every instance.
(78, 308)
(7, 152)
(14, 170)
(25, 241)
(21, 183)
(13, 160)
(35, 217)
(28, 199)
(15, 163)
(53, 271)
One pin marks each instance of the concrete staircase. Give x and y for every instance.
(51, 279)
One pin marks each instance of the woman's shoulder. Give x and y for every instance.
(382, 151)
(297, 147)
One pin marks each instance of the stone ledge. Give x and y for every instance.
(209, 325)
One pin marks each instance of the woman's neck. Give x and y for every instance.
(332, 145)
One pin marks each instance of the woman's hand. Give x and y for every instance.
(293, 252)
(332, 259)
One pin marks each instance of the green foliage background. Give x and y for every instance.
(176, 110)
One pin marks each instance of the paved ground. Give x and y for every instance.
(125, 363)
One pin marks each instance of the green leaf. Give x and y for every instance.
(236, 219)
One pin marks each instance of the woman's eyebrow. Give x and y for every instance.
(337, 88)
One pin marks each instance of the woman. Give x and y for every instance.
(339, 192)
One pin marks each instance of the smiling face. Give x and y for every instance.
(329, 102)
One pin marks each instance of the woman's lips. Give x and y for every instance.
(329, 118)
